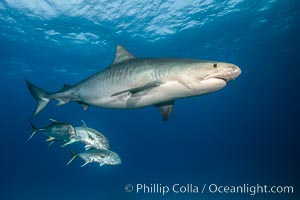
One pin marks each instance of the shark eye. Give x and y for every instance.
(215, 65)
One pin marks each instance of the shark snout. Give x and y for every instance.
(230, 72)
(236, 71)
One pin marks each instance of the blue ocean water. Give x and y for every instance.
(246, 133)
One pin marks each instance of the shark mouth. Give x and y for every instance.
(210, 77)
(228, 74)
(221, 78)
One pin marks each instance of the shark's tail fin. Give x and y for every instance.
(74, 155)
(40, 96)
(33, 132)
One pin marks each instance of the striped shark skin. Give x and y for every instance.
(131, 82)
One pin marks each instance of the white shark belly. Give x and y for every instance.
(168, 91)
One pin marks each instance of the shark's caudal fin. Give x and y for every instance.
(74, 155)
(40, 96)
(33, 132)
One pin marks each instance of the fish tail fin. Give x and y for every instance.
(40, 95)
(84, 164)
(50, 143)
(74, 155)
(33, 132)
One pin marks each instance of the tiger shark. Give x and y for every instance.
(131, 82)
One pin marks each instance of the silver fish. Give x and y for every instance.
(101, 156)
(91, 137)
(56, 131)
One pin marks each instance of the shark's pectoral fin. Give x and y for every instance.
(138, 91)
(165, 109)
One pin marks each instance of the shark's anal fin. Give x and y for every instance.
(121, 55)
(62, 102)
(138, 91)
(83, 105)
(165, 109)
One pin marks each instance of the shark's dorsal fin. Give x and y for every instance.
(165, 109)
(121, 55)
